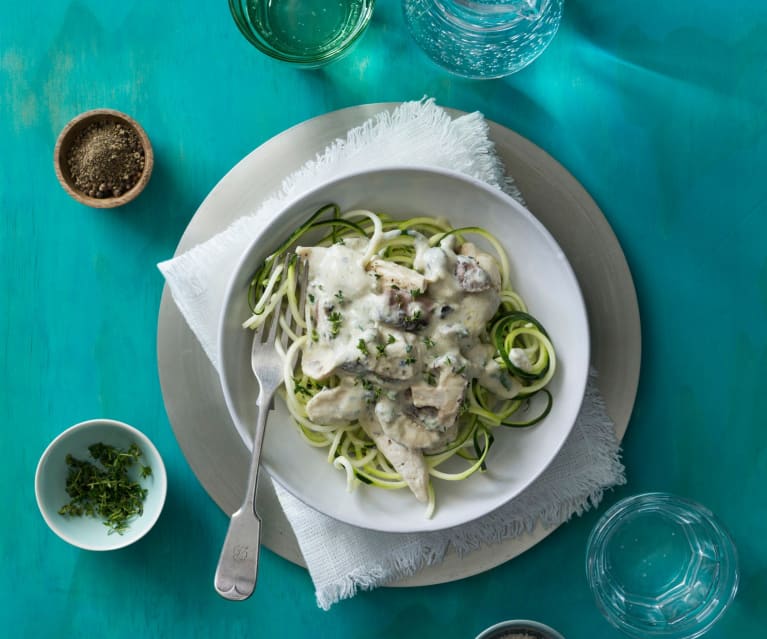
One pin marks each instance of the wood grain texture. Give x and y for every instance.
(657, 108)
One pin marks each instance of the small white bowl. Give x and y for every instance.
(86, 532)
(519, 627)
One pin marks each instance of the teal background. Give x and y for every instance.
(658, 108)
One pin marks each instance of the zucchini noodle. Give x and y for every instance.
(422, 330)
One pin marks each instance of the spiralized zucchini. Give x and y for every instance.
(522, 346)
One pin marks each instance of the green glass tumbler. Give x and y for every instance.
(306, 33)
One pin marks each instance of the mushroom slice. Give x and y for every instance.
(485, 261)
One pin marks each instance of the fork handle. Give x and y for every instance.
(238, 564)
(237, 568)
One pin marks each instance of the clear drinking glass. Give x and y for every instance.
(307, 33)
(483, 38)
(661, 566)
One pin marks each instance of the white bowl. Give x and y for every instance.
(519, 627)
(85, 532)
(539, 271)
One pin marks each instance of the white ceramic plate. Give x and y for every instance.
(539, 271)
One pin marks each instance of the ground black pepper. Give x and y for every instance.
(106, 159)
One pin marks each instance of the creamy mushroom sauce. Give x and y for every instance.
(404, 343)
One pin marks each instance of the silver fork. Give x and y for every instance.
(237, 568)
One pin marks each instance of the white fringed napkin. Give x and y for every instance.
(341, 558)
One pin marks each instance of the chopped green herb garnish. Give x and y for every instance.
(340, 296)
(335, 319)
(104, 489)
(363, 347)
(311, 298)
(428, 342)
(391, 339)
(298, 387)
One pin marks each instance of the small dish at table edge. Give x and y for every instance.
(90, 533)
(505, 629)
(63, 145)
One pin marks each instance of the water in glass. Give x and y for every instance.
(483, 38)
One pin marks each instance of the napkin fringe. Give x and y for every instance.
(408, 560)
(432, 138)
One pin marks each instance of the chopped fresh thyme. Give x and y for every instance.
(363, 347)
(104, 489)
(428, 342)
(304, 389)
(335, 319)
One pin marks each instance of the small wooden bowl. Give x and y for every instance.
(69, 135)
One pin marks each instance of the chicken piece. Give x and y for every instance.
(344, 403)
(394, 356)
(319, 360)
(392, 275)
(446, 397)
(402, 428)
(407, 462)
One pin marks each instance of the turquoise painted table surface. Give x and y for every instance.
(658, 108)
